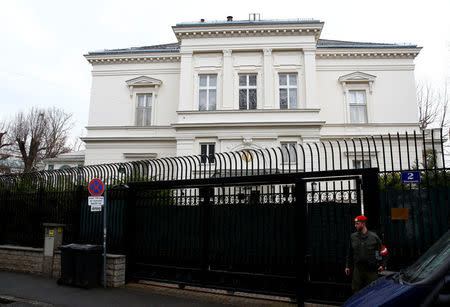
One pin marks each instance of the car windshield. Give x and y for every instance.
(430, 261)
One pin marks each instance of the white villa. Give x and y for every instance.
(232, 85)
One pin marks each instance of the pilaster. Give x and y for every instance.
(268, 79)
(186, 82)
(310, 78)
(227, 80)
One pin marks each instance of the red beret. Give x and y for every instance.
(360, 218)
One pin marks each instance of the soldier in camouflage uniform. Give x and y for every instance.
(366, 255)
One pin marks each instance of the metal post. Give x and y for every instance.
(104, 238)
(301, 241)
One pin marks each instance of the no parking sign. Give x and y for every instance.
(96, 202)
(96, 187)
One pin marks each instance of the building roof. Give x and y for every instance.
(74, 156)
(246, 22)
(172, 47)
(322, 43)
(328, 43)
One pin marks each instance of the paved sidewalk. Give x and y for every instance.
(28, 290)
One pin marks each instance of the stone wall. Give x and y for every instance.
(30, 261)
(115, 270)
(21, 259)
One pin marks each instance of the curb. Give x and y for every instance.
(6, 299)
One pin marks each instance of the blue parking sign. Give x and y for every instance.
(411, 177)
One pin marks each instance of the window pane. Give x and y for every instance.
(202, 100)
(252, 80)
(203, 149)
(148, 100)
(139, 117)
(141, 100)
(252, 98)
(212, 80)
(242, 80)
(148, 116)
(211, 153)
(203, 152)
(351, 97)
(293, 98)
(358, 114)
(212, 100)
(353, 115)
(283, 80)
(360, 97)
(293, 79)
(242, 99)
(362, 114)
(292, 152)
(203, 80)
(284, 150)
(283, 98)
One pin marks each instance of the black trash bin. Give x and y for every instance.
(81, 265)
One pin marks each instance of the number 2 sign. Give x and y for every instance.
(411, 177)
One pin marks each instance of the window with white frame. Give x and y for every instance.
(207, 90)
(361, 164)
(144, 109)
(207, 152)
(288, 91)
(358, 107)
(289, 152)
(247, 92)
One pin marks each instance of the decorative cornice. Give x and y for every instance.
(133, 58)
(139, 155)
(250, 124)
(346, 125)
(127, 127)
(394, 53)
(143, 81)
(127, 139)
(357, 77)
(312, 110)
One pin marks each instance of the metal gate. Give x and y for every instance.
(278, 234)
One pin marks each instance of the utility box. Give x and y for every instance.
(52, 241)
(53, 237)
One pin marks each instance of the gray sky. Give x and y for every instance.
(43, 42)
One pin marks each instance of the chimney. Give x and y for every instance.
(229, 18)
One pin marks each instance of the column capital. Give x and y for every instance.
(227, 52)
(267, 51)
(309, 50)
(186, 53)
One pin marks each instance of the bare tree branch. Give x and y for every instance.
(40, 134)
(4, 135)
